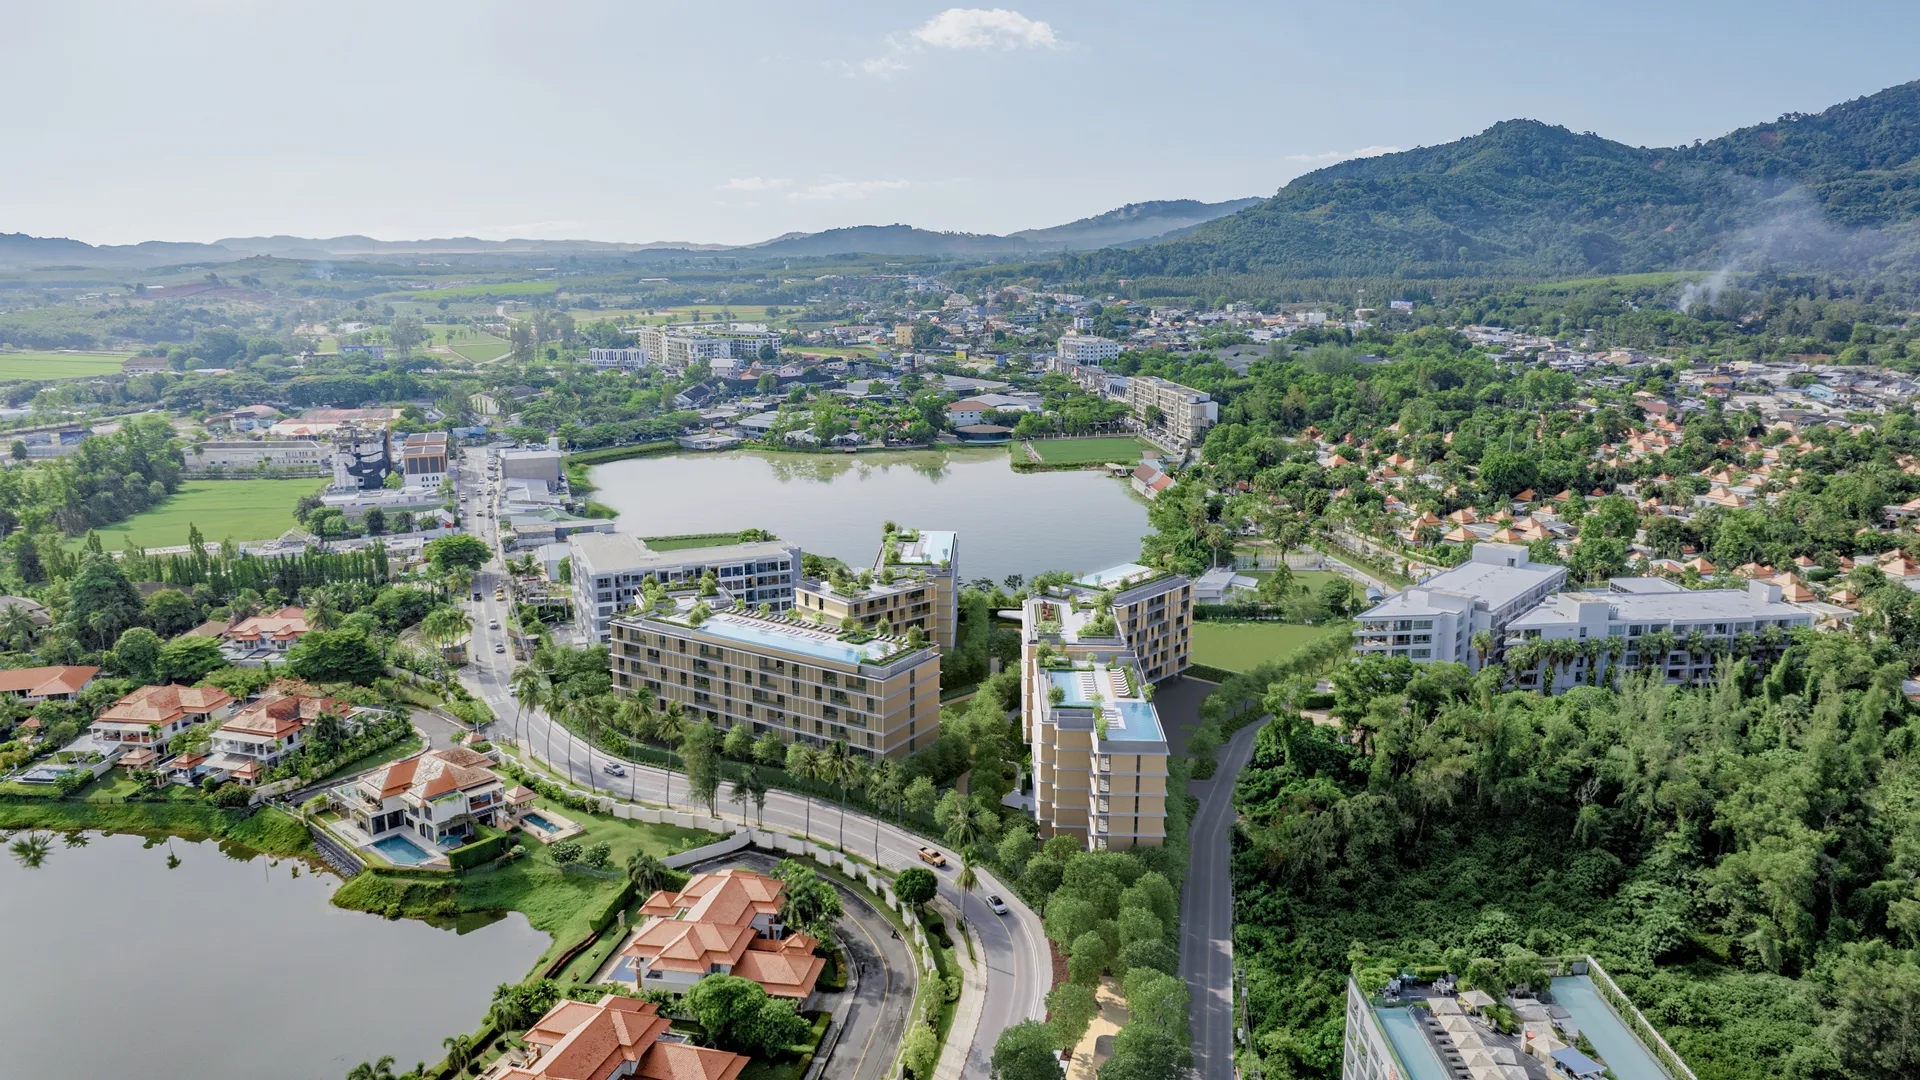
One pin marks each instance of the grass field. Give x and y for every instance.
(1117, 448)
(59, 365)
(468, 292)
(481, 347)
(224, 509)
(1243, 646)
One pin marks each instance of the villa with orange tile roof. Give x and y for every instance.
(276, 632)
(258, 736)
(46, 683)
(436, 797)
(152, 715)
(611, 1039)
(725, 922)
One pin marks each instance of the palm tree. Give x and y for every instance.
(1482, 643)
(750, 788)
(885, 791)
(18, 627)
(459, 1051)
(648, 874)
(379, 1070)
(964, 829)
(670, 726)
(445, 625)
(1524, 657)
(1696, 646)
(834, 765)
(1616, 648)
(802, 765)
(1657, 648)
(1590, 651)
(529, 687)
(592, 714)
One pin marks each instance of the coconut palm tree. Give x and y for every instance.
(459, 1051)
(833, 765)
(445, 625)
(1616, 649)
(529, 687)
(1524, 657)
(802, 764)
(886, 792)
(1657, 648)
(670, 726)
(1696, 646)
(966, 825)
(1482, 643)
(592, 714)
(648, 874)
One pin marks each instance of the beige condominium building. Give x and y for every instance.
(1088, 658)
(610, 568)
(1180, 411)
(781, 673)
(912, 583)
(934, 556)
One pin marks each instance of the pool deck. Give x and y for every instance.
(1619, 1048)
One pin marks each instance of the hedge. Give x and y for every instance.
(481, 851)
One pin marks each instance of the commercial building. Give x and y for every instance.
(423, 460)
(1090, 649)
(781, 674)
(609, 568)
(362, 456)
(287, 454)
(531, 465)
(1085, 349)
(1632, 618)
(1437, 619)
(1181, 411)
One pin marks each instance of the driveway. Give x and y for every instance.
(1206, 912)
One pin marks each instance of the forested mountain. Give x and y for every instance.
(1130, 224)
(1525, 198)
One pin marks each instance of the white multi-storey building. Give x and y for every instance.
(1085, 349)
(1180, 411)
(608, 569)
(678, 347)
(1437, 619)
(1633, 612)
(617, 358)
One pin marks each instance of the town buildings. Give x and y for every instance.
(1182, 412)
(299, 455)
(423, 460)
(617, 358)
(1090, 651)
(609, 568)
(784, 674)
(1085, 349)
(676, 348)
(726, 922)
(142, 722)
(1436, 620)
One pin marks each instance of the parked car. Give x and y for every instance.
(998, 905)
(929, 855)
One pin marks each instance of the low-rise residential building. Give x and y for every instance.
(1182, 412)
(1085, 349)
(932, 555)
(617, 358)
(1153, 610)
(256, 738)
(38, 684)
(679, 347)
(609, 568)
(271, 633)
(912, 583)
(611, 1039)
(1647, 623)
(781, 674)
(438, 797)
(1437, 619)
(725, 922)
(151, 715)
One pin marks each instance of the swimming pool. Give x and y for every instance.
(540, 823)
(401, 851)
(1403, 1031)
(1625, 1055)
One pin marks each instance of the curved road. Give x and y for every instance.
(1019, 967)
(1206, 912)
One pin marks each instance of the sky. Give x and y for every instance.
(733, 122)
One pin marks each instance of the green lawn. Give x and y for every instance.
(1124, 449)
(698, 540)
(1244, 646)
(469, 292)
(55, 365)
(1314, 580)
(481, 347)
(224, 509)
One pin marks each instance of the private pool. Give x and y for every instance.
(401, 851)
(540, 823)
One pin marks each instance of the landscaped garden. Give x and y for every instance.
(1242, 646)
(1120, 449)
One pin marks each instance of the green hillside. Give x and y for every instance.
(1525, 198)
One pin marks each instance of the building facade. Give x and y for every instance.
(932, 555)
(609, 568)
(1436, 620)
(303, 455)
(782, 674)
(679, 347)
(362, 456)
(423, 460)
(1084, 349)
(1181, 411)
(617, 358)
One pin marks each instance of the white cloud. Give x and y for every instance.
(848, 189)
(985, 28)
(755, 183)
(1327, 157)
(960, 28)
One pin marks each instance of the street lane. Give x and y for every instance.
(1206, 912)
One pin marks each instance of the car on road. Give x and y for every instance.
(929, 855)
(998, 905)
(493, 624)
(476, 597)
(614, 768)
(499, 647)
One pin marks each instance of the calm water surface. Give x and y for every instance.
(225, 968)
(834, 504)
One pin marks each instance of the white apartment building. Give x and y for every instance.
(677, 347)
(608, 569)
(1437, 619)
(255, 453)
(1631, 610)
(617, 358)
(1181, 411)
(1085, 349)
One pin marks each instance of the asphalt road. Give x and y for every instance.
(1019, 969)
(1206, 913)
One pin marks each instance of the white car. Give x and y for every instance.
(613, 769)
(998, 905)
(498, 647)
(493, 624)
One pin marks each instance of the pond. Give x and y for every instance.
(834, 504)
(226, 967)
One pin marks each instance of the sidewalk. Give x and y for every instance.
(966, 1013)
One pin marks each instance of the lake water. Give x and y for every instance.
(226, 968)
(834, 504)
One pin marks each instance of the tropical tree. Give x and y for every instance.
(802, 765)
(750, 788)
(648, 874)
(459, 1051)
(531, 688)
(965, 824)
(835, 765)
(670, 727)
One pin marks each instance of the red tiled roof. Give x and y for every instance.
(46, 681)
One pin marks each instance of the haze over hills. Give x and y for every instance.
(1133, 223)
(1840, 188)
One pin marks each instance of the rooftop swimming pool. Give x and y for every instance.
(1139, 722)
(811, 643)
(1403, 1031)
(1625, 1055)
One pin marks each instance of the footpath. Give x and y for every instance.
(966, 1013)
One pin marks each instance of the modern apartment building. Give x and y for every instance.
(784, 674)
(1437, 619)
(608, 569)
(617, 358)
(1085, 349)
(1627, 619)
(914, 582)
(677, 347)
(1182, 412)
(1090, 652)
(934, 556)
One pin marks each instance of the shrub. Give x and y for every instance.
(565, 851)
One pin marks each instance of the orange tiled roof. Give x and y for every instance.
(165, 705)
(46, 681)
(577, 1040)
(281, 716)
(287, 624)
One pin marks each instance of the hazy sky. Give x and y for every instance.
(714, 121)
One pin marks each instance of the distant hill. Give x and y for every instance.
(1526, 198)
(1131, 223)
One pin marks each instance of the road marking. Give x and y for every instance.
(885, 992)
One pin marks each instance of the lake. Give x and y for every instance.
(834, 504)
(226, 968)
